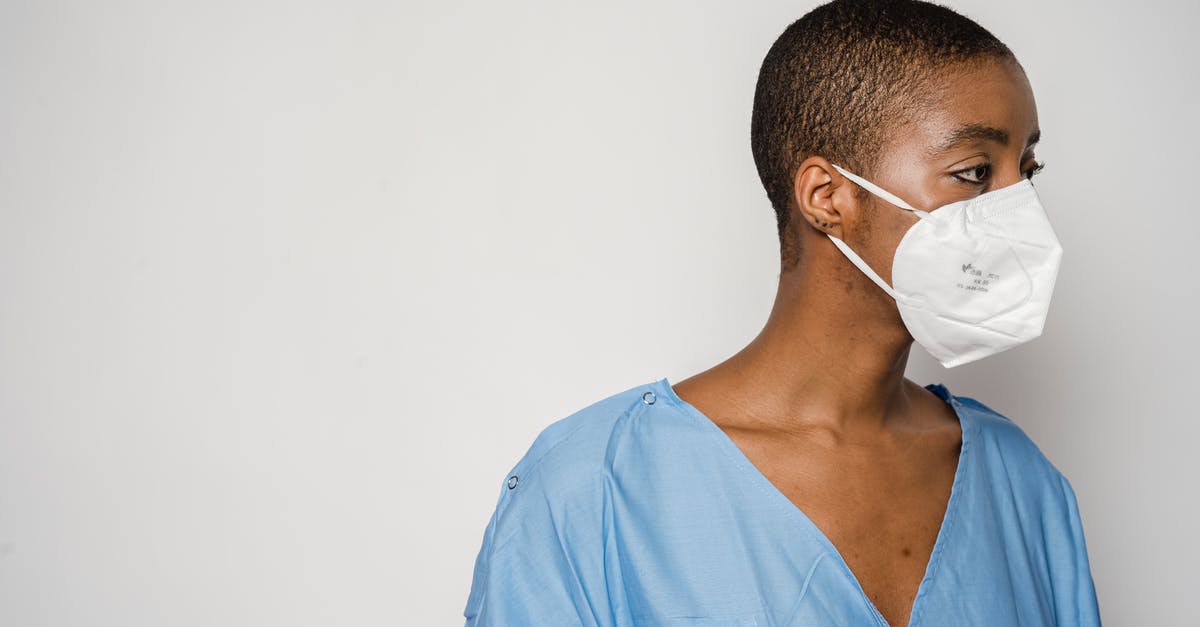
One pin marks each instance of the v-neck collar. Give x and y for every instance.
(773, 493)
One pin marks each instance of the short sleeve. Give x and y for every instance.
(1075, 600)
(524, 574)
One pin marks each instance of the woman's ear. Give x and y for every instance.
(822, 195)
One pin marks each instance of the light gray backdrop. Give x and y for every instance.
(287, 287)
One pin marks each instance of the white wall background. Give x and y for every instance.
(287, 287)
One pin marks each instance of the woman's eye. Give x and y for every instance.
(975, 175)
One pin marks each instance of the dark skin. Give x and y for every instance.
(818, 401)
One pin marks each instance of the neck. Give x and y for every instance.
(831, 355)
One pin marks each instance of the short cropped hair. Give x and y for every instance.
(841, 78)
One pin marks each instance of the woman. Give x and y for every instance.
(804, 480)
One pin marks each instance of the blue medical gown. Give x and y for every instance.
(639, 510)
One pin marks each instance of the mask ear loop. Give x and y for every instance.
(859, 262)
(866, 269)
(879, 191)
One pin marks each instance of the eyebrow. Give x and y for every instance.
(977, 132)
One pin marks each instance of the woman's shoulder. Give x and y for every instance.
(571, 445)
(569, 458)
(1005, 450)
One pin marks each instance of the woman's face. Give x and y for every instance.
(976, 134)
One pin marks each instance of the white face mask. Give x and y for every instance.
(974, 277)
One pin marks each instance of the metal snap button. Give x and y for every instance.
(512, 482)
(648, 398)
